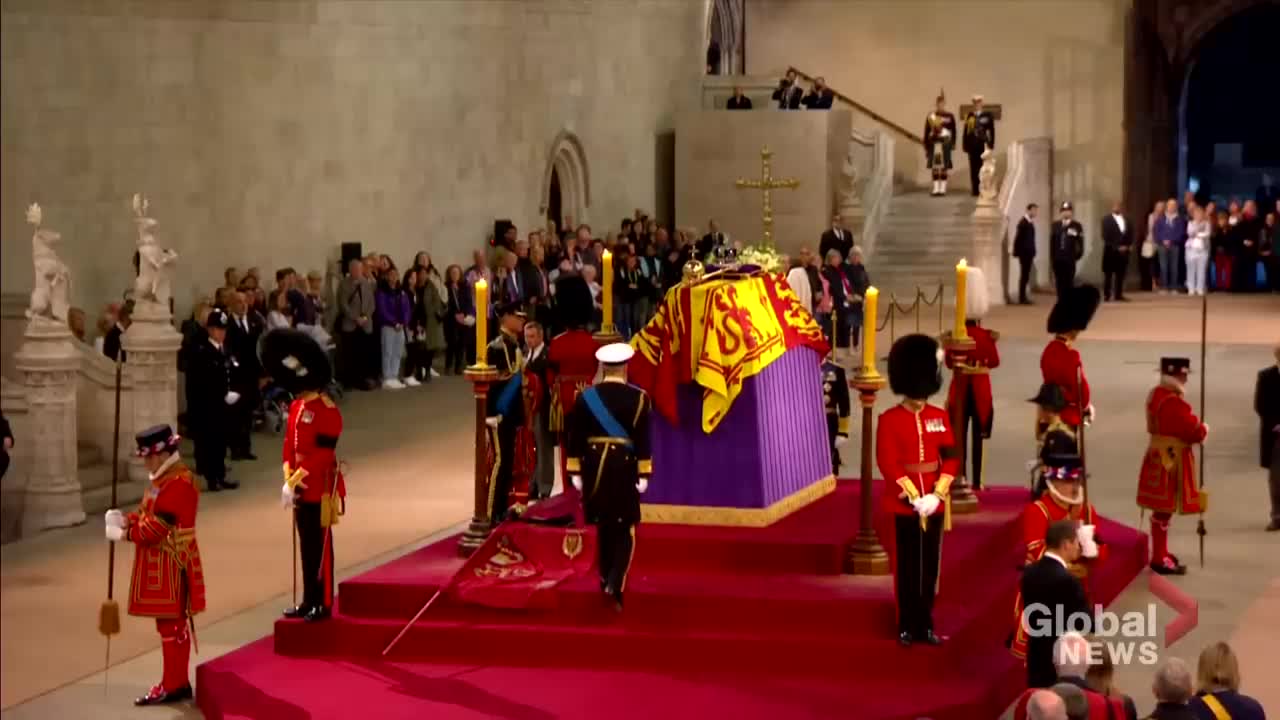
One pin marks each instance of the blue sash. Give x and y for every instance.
(509, 393)
(607, 421)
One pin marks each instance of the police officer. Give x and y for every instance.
(505, 406)
(1066, 247)
(610, 460)
(979, 135)
(314, 487)
(211, 401)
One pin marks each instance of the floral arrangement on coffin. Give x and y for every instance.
(747, 261)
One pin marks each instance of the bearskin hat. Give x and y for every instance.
(294, 360)
(915, 367)
(976, 299)
(1074, 311)
(573, 302)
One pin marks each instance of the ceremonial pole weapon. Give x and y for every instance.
(1084, 464)
(109, 613)
(1204, 327)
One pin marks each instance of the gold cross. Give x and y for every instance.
(765, 184)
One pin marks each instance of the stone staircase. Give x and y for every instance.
(921, 241)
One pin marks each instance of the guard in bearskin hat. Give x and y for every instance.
(1062, 475)
(971, 380)
(571, 357)
(1060, 362)
(168, 579)
(1167, 480)
(916, 454)
(314, 487)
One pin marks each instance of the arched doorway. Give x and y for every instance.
(1226, 138)
(725, 28)
(566, 183)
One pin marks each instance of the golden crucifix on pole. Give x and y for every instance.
(765, 184)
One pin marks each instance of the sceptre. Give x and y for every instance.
(109, 613)
(1204, 327)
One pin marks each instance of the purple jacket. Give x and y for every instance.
(1173, 231)
(393, 308)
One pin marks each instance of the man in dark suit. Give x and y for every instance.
(242, 344)
(1050, 591)
(836, 238)
(788, 93)
(1066, 247)
(738, 101)
(1266, 402)
(111, 342)
(712, 240)
(820, 97)
(1024, 248)
(538, 387)
(1117, 241)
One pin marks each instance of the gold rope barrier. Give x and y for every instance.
(894, 308)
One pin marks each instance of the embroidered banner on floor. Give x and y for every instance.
(521, 564)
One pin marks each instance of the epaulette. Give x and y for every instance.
(995, 334)
(328, 401)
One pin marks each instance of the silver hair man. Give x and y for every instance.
(1046, 705)
(1071, 655)
(1172, 683)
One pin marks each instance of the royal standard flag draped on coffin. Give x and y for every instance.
(717, 333)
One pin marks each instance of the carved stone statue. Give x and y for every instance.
(155, 264)
(987, 190)
(51, 292)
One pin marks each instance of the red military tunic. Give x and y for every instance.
(1060, 365)
(909, 455)
(168, 578)
(315, 423)
(1167, 481)
(976, 373)
(1036, 519)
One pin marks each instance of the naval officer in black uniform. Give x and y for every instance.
(979, 136)
(610, 460)
(505, 406)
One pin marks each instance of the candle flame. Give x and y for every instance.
(482, 283)
(607, 254)
(872, 291)
(963, 263)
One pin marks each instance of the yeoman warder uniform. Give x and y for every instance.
(168, 579)
(1060, 363)
(1167, 480)
(1062, 475)
(610, 461)
(971, 380)
(915, 452)
(314, 486)
(1049, 402)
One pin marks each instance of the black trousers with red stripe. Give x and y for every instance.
(315, 545)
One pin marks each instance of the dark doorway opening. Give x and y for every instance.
(1228, 109)
(553, 202)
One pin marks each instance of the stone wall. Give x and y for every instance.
(266, 133)
(714, 148)
(1056, 67)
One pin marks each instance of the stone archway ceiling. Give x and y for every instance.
(1182, 25)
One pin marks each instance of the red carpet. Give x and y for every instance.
(743, 623)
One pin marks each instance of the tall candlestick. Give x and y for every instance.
(606, 293)
(962, 277)
(482, 320)
(869, 311)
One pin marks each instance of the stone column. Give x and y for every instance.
(49, 362)
(151, 346)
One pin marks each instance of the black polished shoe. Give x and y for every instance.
(211, 486)
(1273, 526)
(158, 696)
(228, 484)
(316, 614)
(295, 613)
(930, 638)
(904, 639)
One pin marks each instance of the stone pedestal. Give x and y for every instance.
(48, 363)
(151, 368)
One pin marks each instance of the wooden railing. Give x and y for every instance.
(898, 129)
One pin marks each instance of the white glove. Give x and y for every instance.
(577, 482)
(1088, 548)
(114, 518)
(286, 496)
(1206, 430)
(642, 485)
(842, 440)
(231, 398)
(927, 505)
(114, 534)
(492, 421)
(1090, 415)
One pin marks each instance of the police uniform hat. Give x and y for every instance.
(915, 368)
(574, 303)
(1074, 311)
(295, 360)
(1050, 397)
(511, 308)
(218, 318)
(1066, 205)
(1175, 365)
(615, 354)
(156, 440)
